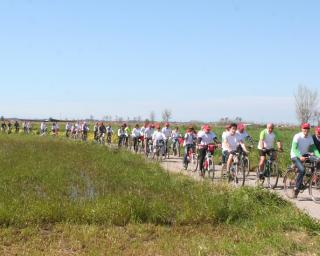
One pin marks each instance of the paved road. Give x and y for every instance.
(304, 202)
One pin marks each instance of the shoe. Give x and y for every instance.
(261, 176)
(295, 193)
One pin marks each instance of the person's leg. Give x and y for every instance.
(202, 155)
(301, 173)
(229, 162)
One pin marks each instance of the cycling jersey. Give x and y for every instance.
(302, 145)
(109, 129)
(267, 139)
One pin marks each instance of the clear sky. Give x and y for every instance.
(202, 59)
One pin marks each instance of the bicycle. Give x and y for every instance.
(311, 179)
(160, 150)
(191, 158)
(102, 138)
(271, 173)
(149, 148)
(237, 170)
(208, 164)
(176, 147)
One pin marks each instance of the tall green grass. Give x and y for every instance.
(70, 185)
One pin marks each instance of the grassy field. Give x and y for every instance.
(60, 197)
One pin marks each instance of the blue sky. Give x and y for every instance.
(202, 59)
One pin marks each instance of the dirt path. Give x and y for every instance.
(304, 202)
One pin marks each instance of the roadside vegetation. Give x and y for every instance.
(61, 197)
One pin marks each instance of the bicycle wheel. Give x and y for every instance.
(273, 175)
(289, 182)
(247, 165)
(211, 170)
(242, 173)
(195, 163)
(314, 187)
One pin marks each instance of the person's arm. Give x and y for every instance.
(314, 150)
(295, 149)
(261, 138)
(243, 146)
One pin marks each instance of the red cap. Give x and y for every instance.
(207, 128)
(305, 126)
(317, 129)
(240, 126)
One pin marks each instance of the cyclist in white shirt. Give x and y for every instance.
(244, 135)
(167, 133)
(109, 133)
(43, 128)
(158, 135)
(233, 142)
(121, 135)
(302, 146)
(175, 135)
(68, 129)
(267, 139)
(189, 144)
(205, 137)
(148, 133)
(225, 154)
(136, 133)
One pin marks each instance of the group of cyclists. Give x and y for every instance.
(14, 126)
(150, 138)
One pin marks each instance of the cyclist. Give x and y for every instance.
(189, 144)
(175, 136)
(25, 128)
(102, 131)
(128, 131)
(244, 135)
(55, 129)
(84, 128)
(121, 135)
(316, 138)
(266, 143)
(167, 133)
(68, 129)
(224, 146)
(4, 126)
(302, 146)
(17, 126)
(136, 134)
(158, 136)
(205, 137)
(148, 133)
(96, 131)
(43, 128)
(233, 142)
(109, 133)
(9, 127)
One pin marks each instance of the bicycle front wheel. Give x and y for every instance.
(314, 187)
(273, 175)
(289, 182)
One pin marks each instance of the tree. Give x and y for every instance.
(166, 115)
(152, 116)
(305, 103)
